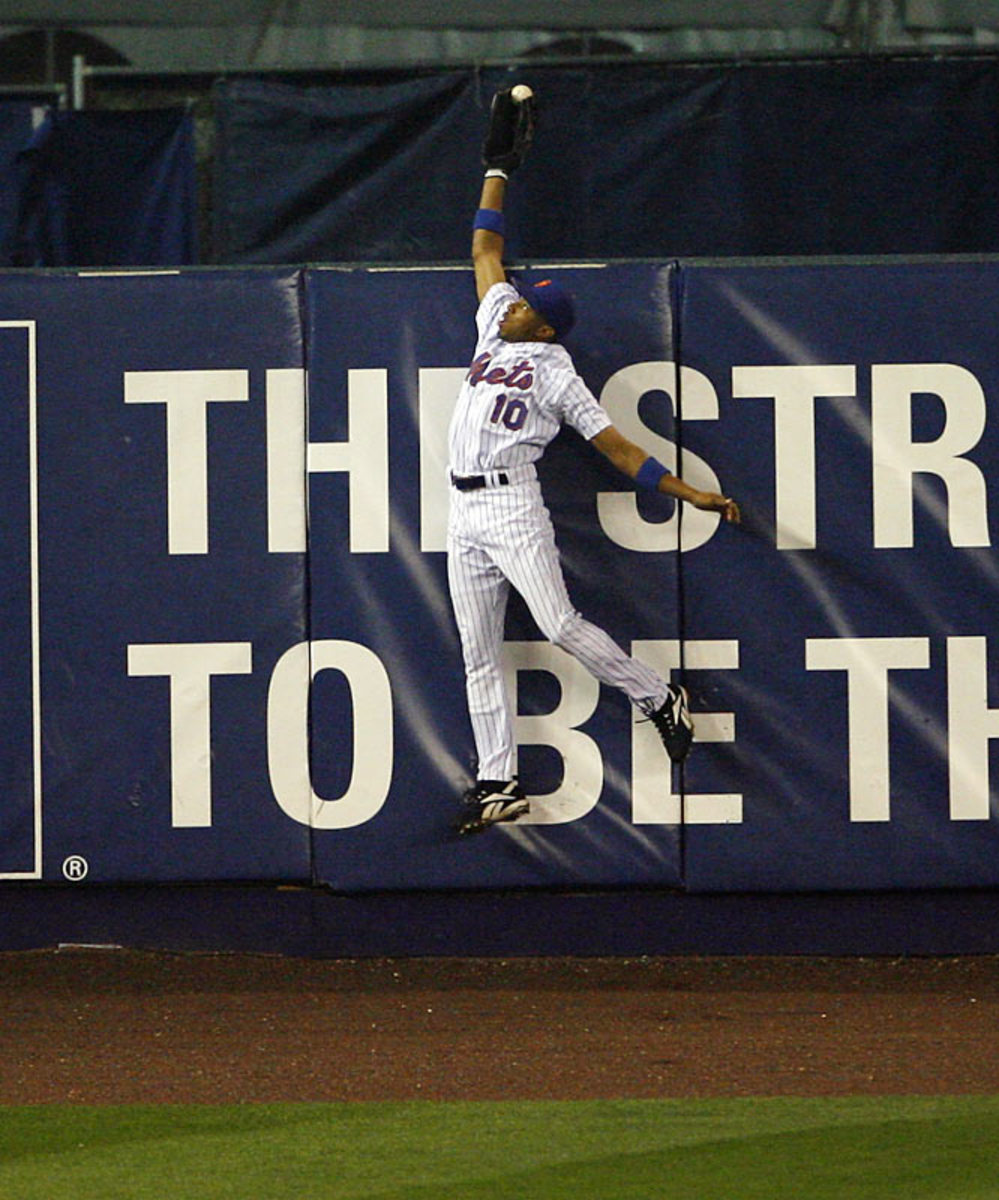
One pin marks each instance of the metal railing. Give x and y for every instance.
(44, 93)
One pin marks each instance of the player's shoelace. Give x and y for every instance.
(672, 723)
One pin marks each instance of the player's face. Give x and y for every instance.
(521, 323)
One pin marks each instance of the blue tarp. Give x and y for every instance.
(836, 157)
(106, 189)
(16, 128)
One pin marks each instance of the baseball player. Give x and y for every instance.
(520, 388)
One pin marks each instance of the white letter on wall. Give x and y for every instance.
(652, 801)
(288, 731)
(971, 724)
(867, 662)
(189, 667)
(794, 390)
(438, 391)
(618, 511)
(186, 395)
(286, 484)
(583, 775)
(897, 458)
(365, 457)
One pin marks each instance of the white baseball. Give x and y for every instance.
(521, 93)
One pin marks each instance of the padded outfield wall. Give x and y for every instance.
(228, 650)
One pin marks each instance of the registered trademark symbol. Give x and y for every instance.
(75, 868)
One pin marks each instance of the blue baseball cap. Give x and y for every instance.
(553, 302)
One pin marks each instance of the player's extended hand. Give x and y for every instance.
(510, 131)
(714, 502)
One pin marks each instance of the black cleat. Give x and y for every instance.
(673, 723)
(489, 802)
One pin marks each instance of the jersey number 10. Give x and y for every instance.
(512, 413)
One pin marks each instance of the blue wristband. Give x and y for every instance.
(649, 474)
(491, 219)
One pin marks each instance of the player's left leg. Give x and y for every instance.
(479, 593)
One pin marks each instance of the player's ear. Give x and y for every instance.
(545, 333)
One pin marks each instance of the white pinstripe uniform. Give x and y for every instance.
(512, 403)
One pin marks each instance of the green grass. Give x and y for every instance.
(902, 1148)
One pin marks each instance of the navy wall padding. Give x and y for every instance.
(228, 650)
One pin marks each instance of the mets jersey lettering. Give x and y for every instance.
(520, 375)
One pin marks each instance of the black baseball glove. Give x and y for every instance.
(511, 130)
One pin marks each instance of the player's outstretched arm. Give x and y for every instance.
(487, 234)
(650, 474)
(508, 137)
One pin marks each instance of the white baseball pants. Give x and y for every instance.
(498, 536)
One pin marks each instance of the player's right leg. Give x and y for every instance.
(534, 568)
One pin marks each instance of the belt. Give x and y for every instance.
(471, 483)
(508, 476)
